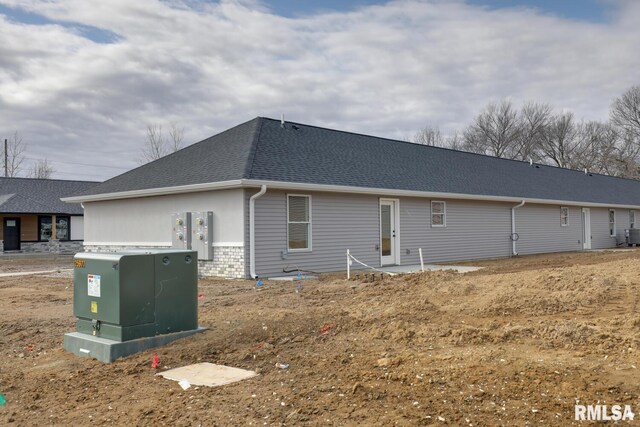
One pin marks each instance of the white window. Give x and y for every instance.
(298, 222)
(612, 223)
(438, 214)
(632, 219)
(564, 216)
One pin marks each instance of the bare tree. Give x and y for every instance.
(429, 135)
(156, 145)
(589, 145)
(495, 131)
(534, 118)
(454, 141)
(597, 149)
(625, 113)
(14, 154)
(42, 169)
(176, 137)
(625, 118)
(560, 140)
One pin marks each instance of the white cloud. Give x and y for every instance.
(385, 70)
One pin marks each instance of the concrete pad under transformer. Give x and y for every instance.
(106, 350)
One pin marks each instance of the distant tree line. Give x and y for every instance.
(15, 157)
(157, 143)
(536, 132)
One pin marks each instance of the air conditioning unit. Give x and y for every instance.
(633, 236)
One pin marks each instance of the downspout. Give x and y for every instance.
(514, 235)
(252, 231)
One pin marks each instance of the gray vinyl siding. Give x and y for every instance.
(600, 238)
(338, 222)
(622, 223)
(473, 230)
(540, 231)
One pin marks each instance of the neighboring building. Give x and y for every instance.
(292, 196)
(35, 220)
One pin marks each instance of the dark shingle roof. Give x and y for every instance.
(222, 157)
(41, 196)
(263, 150)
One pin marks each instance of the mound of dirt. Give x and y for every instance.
(518, 342)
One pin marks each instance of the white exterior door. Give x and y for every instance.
(586, 228)
(389, 232)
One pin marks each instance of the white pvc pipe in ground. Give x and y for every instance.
(348, 266)
(421, 260)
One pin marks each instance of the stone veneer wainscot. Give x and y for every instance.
(228, 261)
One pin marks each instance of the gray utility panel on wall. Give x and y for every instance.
(181, 230)
(202, 234)
(193, 230)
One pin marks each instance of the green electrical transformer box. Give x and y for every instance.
(128, 295)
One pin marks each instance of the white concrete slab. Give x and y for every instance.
(207, 374)
(291, 278)
(611, 250)
(428, 267)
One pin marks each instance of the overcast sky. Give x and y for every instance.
(80, 80)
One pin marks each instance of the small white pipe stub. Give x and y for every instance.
(348, 265)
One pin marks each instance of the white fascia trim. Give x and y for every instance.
(191, 188)
(146, 244)
(279, 185)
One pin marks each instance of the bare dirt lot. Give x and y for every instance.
(519, 342)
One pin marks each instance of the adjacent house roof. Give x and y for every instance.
(40, 196)
(264, 150)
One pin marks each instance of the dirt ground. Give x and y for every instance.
(34, 262)
(517, 343)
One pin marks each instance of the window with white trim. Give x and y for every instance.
(438, 214)
(564, 216)
(612, 223)
(298, 222)
(632, 219)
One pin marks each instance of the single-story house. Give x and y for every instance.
(288, 196)
(35, 220)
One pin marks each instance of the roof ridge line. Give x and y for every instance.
(452, 149)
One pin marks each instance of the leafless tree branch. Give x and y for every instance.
(15, 154)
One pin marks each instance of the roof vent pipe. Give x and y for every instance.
(252, 231)
(530, 161)
(282, 120)
(514, 235)
(585, 171)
